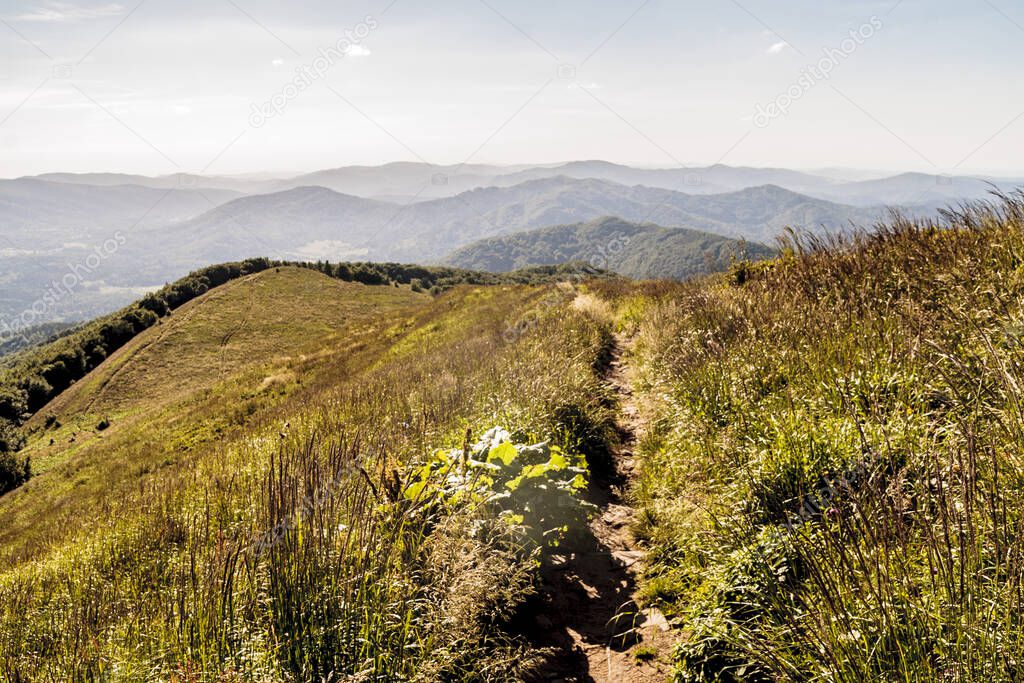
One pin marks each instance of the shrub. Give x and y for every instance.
(533, 487)
(13, 471)
(10, 438)
(13, 403)
(37, 392)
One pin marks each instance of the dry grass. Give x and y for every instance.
(832, 487)
(256, 531)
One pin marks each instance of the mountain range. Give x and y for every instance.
(416, 181)
(315, 222)
(164, 226)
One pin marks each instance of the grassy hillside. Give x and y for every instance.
(643, 251)
(274, 312)
(31, 378)
(821, 466)
(155, 393)
(256, 319)
(832, 480)
(249, 514)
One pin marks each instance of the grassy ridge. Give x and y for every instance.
(31, 379)
(257, 530)
(198, 377)
(832, 483)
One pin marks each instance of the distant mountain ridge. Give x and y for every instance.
(644, 251)
(32, 210)
(407, 211)
(175, 181)
(314, 222)
(423, 181)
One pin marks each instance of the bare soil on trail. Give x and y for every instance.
(587, 615)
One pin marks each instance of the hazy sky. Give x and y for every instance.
(237, 86)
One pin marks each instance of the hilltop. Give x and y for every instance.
(643, 251)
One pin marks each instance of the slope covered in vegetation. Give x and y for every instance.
(832, 480)
(298, 516)
(31, 379)
(825, 452)
(637, 250)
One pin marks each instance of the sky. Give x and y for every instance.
(256, 86)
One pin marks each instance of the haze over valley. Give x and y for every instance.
(156, 229)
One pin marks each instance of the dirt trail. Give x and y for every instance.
(589, 616)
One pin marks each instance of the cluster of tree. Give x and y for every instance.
(436, 279)
(35, 376)
(14, 471)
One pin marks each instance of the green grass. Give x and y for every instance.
(831, 483)
(830, 488)
(259, 318)
(252, 527)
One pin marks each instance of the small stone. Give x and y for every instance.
(653, 618)
(616, 516)
(627, 558)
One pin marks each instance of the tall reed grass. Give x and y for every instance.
(832, 486)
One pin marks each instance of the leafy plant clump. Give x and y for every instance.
(534, 488)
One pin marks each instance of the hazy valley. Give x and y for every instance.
(111, 237)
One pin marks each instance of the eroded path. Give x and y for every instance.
(589, 616)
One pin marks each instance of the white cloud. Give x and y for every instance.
(64, 11)
(277, 62)
(777, 48)
(357, 51)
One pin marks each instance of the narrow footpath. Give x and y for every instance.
(589, 614)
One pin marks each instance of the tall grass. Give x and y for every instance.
(833, 485)
(290, 552)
